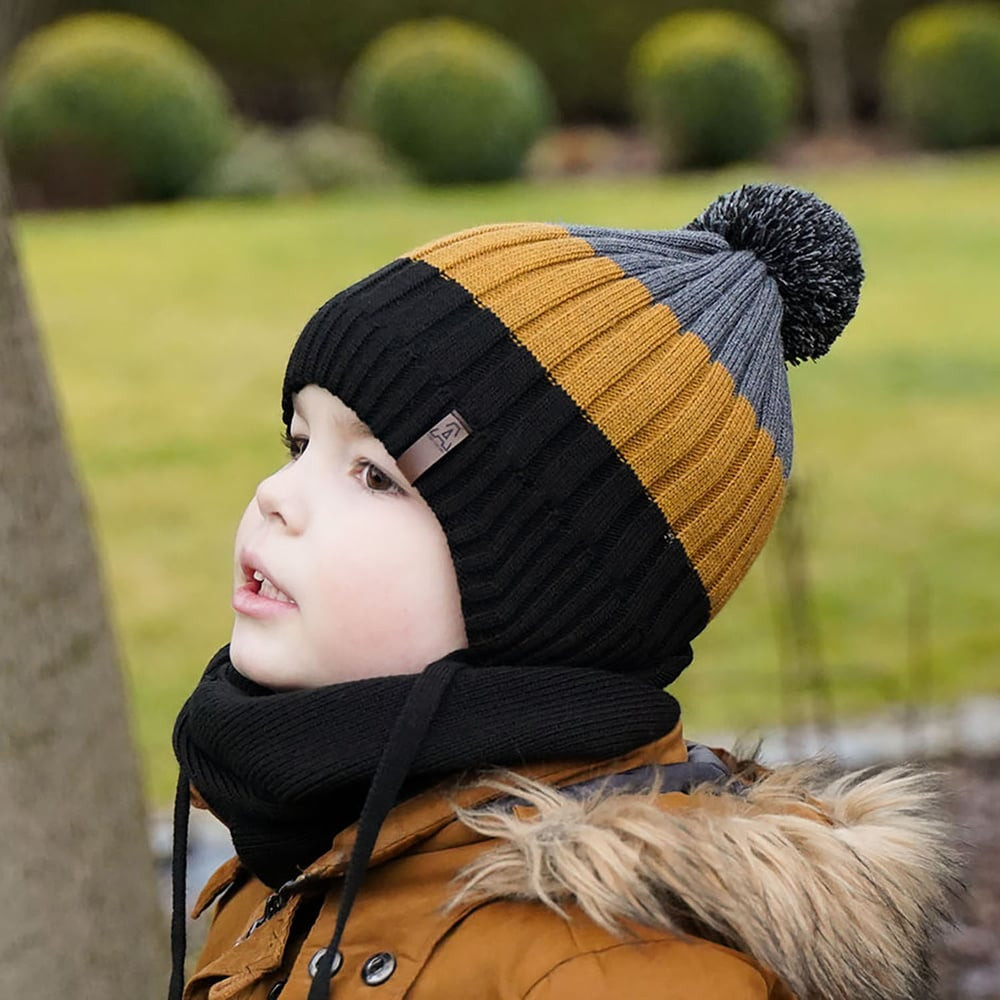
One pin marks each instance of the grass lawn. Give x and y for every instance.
(168, 327)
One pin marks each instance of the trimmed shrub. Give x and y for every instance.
(710, 87)
(266, 162)
(259, 164)
(582, 47)
(455, 101)
(943, 75)
(114, 93)
(330, 156)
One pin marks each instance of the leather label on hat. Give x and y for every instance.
(430, 447)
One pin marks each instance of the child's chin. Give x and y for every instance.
(264, 679)
(254, 667)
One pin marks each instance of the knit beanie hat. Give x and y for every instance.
(598, 417)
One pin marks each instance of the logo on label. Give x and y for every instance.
(447, 434)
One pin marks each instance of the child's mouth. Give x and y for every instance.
(258, 597)
(265, 588)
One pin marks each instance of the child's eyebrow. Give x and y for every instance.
(354, 427)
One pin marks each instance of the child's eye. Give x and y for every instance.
(376, 480)
(294, 445)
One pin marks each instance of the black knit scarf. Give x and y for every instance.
(285, 771)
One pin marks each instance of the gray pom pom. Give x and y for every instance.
(809, 250)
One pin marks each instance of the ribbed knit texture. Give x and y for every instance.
(631, 431)
(549, 531)
(285, 771)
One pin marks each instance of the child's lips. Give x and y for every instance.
(259, 596)
(247, 601)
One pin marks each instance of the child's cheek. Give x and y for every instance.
(359, 572)
(372, 605)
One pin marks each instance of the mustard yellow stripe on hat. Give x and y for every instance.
(652, 388)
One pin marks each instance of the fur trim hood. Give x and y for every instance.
(837, 883)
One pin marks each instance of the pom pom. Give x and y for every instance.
(809, 250)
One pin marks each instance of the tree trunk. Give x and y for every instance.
(828, 70)
(823, 25)
(79, 914)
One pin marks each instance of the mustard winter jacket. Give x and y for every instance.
(551, 883)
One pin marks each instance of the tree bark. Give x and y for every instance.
(79, 914)
(823, 24)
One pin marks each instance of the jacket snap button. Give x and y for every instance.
(378, 968)
(275, 990)
(338, 961)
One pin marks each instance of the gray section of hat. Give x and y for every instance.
(724, 296)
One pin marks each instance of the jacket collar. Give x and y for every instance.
(837, 882)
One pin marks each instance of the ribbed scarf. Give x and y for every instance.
(285, 771)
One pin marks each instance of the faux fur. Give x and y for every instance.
(838, 884)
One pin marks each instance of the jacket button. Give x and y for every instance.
(338, 961)
(275, 991)
(378, 968)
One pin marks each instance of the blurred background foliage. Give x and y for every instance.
(943, 75)
(120, 94)
(287, 61)
(456, 101)
(169, 97)
(712, 87)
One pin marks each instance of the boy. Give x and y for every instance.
(528, 464)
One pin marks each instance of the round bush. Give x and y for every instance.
(116, 90)
(943, 75)
(259, 164)
(315, 156)
(710, 87)
(330, 156)
(456, 102)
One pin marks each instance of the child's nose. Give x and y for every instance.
(276, 499)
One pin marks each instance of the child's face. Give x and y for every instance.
(365, 582)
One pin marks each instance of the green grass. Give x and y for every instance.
(168, 328)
